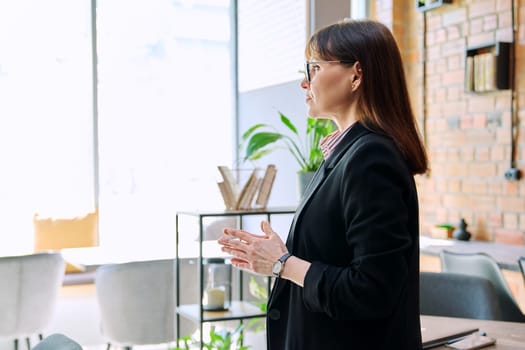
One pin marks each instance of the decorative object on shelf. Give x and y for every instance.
(306, 152)
(217, 293)
(461, 233)
(425, 5)
(256, 188)
(487, 67)
(443, 231)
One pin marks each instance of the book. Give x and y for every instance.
(489, 71)
(266, 186)
(230, 185)
(469, 74)
(227, 196)
(243, 201)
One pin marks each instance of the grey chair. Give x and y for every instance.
(483, 265)
(29, 294)
(137, 302)
(457, 295)
(57, 342)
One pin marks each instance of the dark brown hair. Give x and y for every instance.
(384, 104)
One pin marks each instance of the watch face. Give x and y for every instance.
(276, 268)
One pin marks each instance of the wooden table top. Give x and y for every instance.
(509, 335)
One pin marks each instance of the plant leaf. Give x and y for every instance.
(248, 132)
(288, 123)
(260, 140)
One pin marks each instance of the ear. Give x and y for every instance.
(357, 74)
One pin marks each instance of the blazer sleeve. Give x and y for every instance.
(375, 186)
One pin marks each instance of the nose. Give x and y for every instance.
(305, 84)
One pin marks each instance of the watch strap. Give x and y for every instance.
(285, 257)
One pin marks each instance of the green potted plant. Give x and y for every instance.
(262, 139)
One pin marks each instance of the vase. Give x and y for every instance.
(303, 179)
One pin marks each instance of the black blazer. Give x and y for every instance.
(358, 226)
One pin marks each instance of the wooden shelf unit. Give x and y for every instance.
(487, 67)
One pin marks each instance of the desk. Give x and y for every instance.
(509, 335)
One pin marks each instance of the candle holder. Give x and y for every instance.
(217, 281)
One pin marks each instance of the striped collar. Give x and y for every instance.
(329, 142)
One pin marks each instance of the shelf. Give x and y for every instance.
(487, 68)
(425, 5)
(238, 310)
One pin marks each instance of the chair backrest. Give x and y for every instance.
(521, 263)
(57, 342)
(58, 233)
(29, 292)
(456, 295)
(483, 265)
(137, 302)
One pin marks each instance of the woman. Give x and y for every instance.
(348, 276)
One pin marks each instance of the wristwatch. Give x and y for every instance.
(278, 266)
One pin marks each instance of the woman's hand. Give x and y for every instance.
(255, 253)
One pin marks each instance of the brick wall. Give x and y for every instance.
(468, 136)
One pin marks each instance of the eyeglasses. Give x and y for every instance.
(309, 64)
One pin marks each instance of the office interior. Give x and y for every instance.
(125, 109)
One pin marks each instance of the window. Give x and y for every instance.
(46, 134)
(272, 37)
(165, 115)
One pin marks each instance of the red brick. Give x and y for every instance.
(502, 5)
(510, 221)
(455, 201)
(503, 102)
(490, 22)
(454, 185)
(453, 155)
(497, 153)
(456, 169)
(440, 35)
(511, 188)
(496, 219)
(475, 26)
(482, 203)
(479, 121)
(483, 153)
(441, 186)
(453, 32)
(454, 62)
(453, 47)
(511, 204)
(516, 237)
(482, 169)
(454, 16)
(454, 93)
(483, 103)
(504, 19)
(496, 188)
(504, 34)
(467, 153)
(480, 39)
(433, 22)
(481, 8)
(466, 122)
